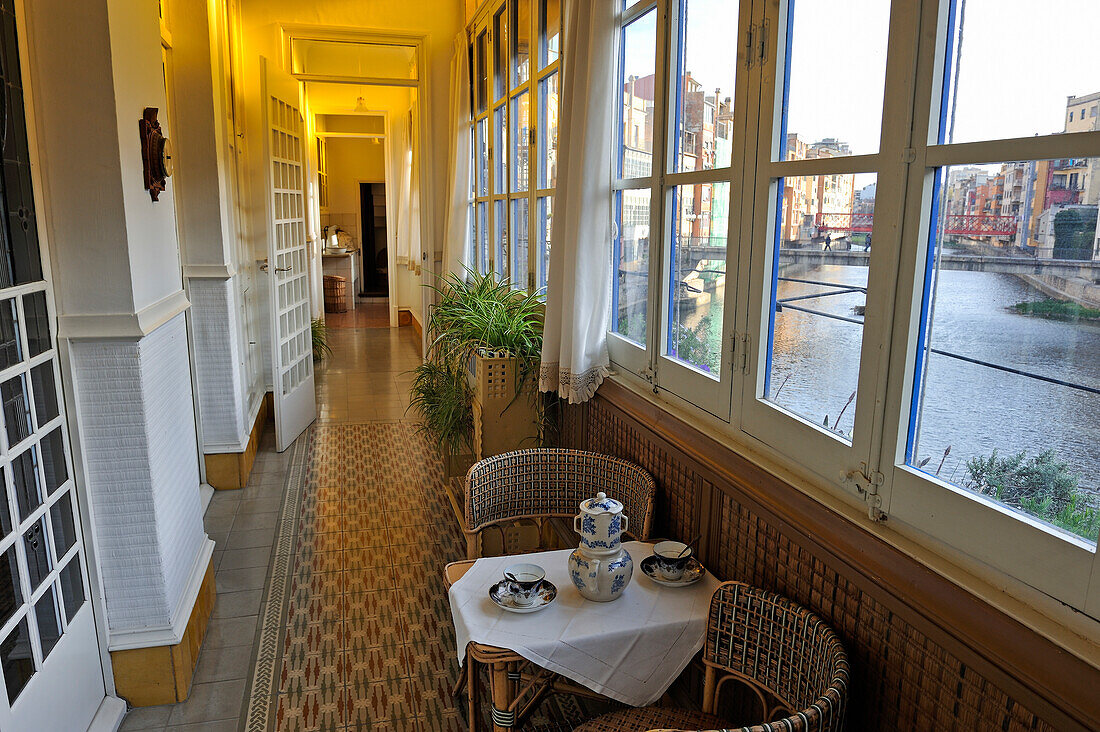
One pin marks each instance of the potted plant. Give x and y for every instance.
(319, 331)
(485, 350)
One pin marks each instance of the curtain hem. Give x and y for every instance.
(574, 387)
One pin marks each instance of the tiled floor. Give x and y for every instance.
(369, 314)
(362, 382)
(331, 612)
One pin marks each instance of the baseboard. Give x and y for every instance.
(162, 674)
(109, 715)
(230, 470)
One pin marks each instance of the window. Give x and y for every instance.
(868, 276)
(671, 231)
(519, 69)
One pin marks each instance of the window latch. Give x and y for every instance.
(750, 47)
(868, 486)
(649, 373)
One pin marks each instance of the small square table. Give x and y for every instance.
(630, 649)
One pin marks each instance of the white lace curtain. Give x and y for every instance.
(407, 193)
(457, 231)
(574, 357)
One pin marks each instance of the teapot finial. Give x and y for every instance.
(600, 496)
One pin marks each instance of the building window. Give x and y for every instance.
(519, 50)
(852, 275)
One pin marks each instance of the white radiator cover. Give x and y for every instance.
(137, 431)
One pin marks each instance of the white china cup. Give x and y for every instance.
(523, 582)
(672, 559)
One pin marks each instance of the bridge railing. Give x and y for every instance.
(955, 225)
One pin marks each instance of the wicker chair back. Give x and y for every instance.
(786, 654)
(549, 482)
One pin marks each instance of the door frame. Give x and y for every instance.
(43, 206)
(421, 138)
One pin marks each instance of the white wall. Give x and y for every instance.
(94, 67)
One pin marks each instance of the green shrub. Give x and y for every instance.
(1041, 485)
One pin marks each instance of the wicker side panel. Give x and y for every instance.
(675, 510)
(901, 679)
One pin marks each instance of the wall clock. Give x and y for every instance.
(156, 153)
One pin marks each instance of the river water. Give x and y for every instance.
(973, 409)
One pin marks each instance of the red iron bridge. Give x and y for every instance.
(956, 224)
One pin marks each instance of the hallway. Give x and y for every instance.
(331, 611)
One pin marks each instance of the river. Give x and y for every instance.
(973, 409)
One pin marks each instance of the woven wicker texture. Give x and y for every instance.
(553, 482)
(901, 679)
(641, 720)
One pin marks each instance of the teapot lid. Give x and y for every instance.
(601, 504)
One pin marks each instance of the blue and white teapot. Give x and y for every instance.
(599, 566)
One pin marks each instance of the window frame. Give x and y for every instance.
(495, 21)
(869, 474)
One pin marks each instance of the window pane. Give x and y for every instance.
(17, 660)
(819, 288)
(546, 220)
(28, 490)
(631, 294)
(48, 616)
(500, 71)
(11, 352)
(1008, 390)
(38, 554)
(500, 149)
(697, 278)
(548, 131)
(520, 235)
(482, 237)
(638, 68)
(704, 93)
(72, 587)
(500, 238)
(17, 409)
(64, 526)
(53, 460)
(837, 72)
(11, 593)
(481, 148)
(45, 392)
(482, 83)
(521, 41)
(550, 25)
(1047, 90)
(521, 131)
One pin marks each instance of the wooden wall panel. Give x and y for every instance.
(925, 654)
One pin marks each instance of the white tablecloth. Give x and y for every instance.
(631, 649)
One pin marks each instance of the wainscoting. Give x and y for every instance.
(925, 653)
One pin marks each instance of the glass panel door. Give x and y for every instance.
(48, 642)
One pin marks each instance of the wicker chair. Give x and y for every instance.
(791, 660)
(534, 485)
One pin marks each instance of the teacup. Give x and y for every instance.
(523, 582)
(672, 559)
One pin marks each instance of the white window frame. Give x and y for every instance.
(499, 227)
(870, 471)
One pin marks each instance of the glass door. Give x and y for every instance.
(48, 643)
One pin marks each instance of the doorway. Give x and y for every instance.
(373, 220)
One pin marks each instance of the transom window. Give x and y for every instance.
(858, 269)
(515, 58)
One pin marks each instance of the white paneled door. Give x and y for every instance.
(287, 255)
(51, 671)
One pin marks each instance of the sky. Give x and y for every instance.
(1020, 60)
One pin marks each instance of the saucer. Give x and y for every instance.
(499, 594)
(693, 572)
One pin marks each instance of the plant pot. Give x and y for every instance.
(503, 421)
(456, 465)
